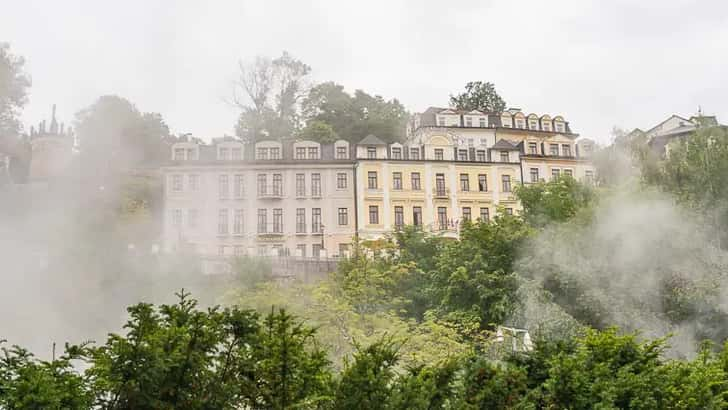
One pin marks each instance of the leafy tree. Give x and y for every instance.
(354, 117)
(555, 201)
(115, 136)
(268, 93)
(488, 385)
(366, 382)
(14, 84)
(478, 96)
(319, 131)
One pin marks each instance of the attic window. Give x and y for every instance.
(372, 152)
(468, 121)
(482, 122)
(441, 121)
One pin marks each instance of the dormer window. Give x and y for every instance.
(481, 122)
(480, 155)
(237, 154)
(414, 153)
(504, 156)
(275, 153)
(300, 153)
(262, 154)
(223, 154)
(396, 153)
(341, 153)
(546, 126)
(468, 121)
(372, 152)
(179, 154)
(533, 148)
(463, 155)
(520, 123)
(439, 154)
(313, 153)
(559, 126)
(533, 124)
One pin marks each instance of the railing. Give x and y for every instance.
(270, 192)
(270, 229)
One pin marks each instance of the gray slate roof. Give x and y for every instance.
(505, 145)
(371, 140)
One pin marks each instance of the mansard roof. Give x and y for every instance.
(505, 145)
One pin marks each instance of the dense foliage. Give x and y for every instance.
(478, 96)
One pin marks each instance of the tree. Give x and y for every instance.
(355, 117)
(115, 136)
(14, 84)
(478, 96)
(555, 201)
(268, 92)
(319, 131)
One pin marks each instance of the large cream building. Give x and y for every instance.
(307, 199)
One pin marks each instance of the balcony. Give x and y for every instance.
(270, 231)
(442, 193)
(270, 192)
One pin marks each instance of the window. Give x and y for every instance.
(568, 172)
(534, 175)
(262, 220)
(440, 184)
(341, 153)
(372, 152)
(468, 121)
(301, 248)
(463, 155)
(398, 216)
(223, 186)
(566, 150)
(533, 124)
(343, 249)
(481, 122)
(300, 185)
(396, 153)
(414, 153)
(179, 154)
(261, 153)
(275, 153)
(239, 187)
(506, 183)
(467, 215)
(589, 177)
(192, 218)
(341, 182)
(480, 155)
(416, 181)
(554, 149)
(417, 216)
(277, 220)
(442, 217)
(177, 183)
(532, 148)
(546, 126)
(464, 182)
(373, 215)
(313, 153)
(238, 222)
(559, 126)
(316, 184)
(194, 182)
(316, 226)
(509, 211)
(555, 173)
(191, 154)
(441, 121)
(177, 218)
(223, 154)
(484, 215)
(372, 176)
(300, 220)
(504, 156)
(439, 154)
(397, 180)
(222, 222)
(482, 183)
(316, 250)
(520, 123)
(237, 154)
(277, 184)
(262, 181)
(300, 153)
(343, 216)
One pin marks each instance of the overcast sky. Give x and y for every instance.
(597, 63)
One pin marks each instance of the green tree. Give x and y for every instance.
(268, 93)
(488, 385)
(354, 117)
(319, 131)
(555, 201)
(478, 96)
(14, 84)
(366, 382)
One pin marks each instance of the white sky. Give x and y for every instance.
(598, 63)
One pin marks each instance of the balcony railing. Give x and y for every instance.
(270, 229)
(270, 192)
